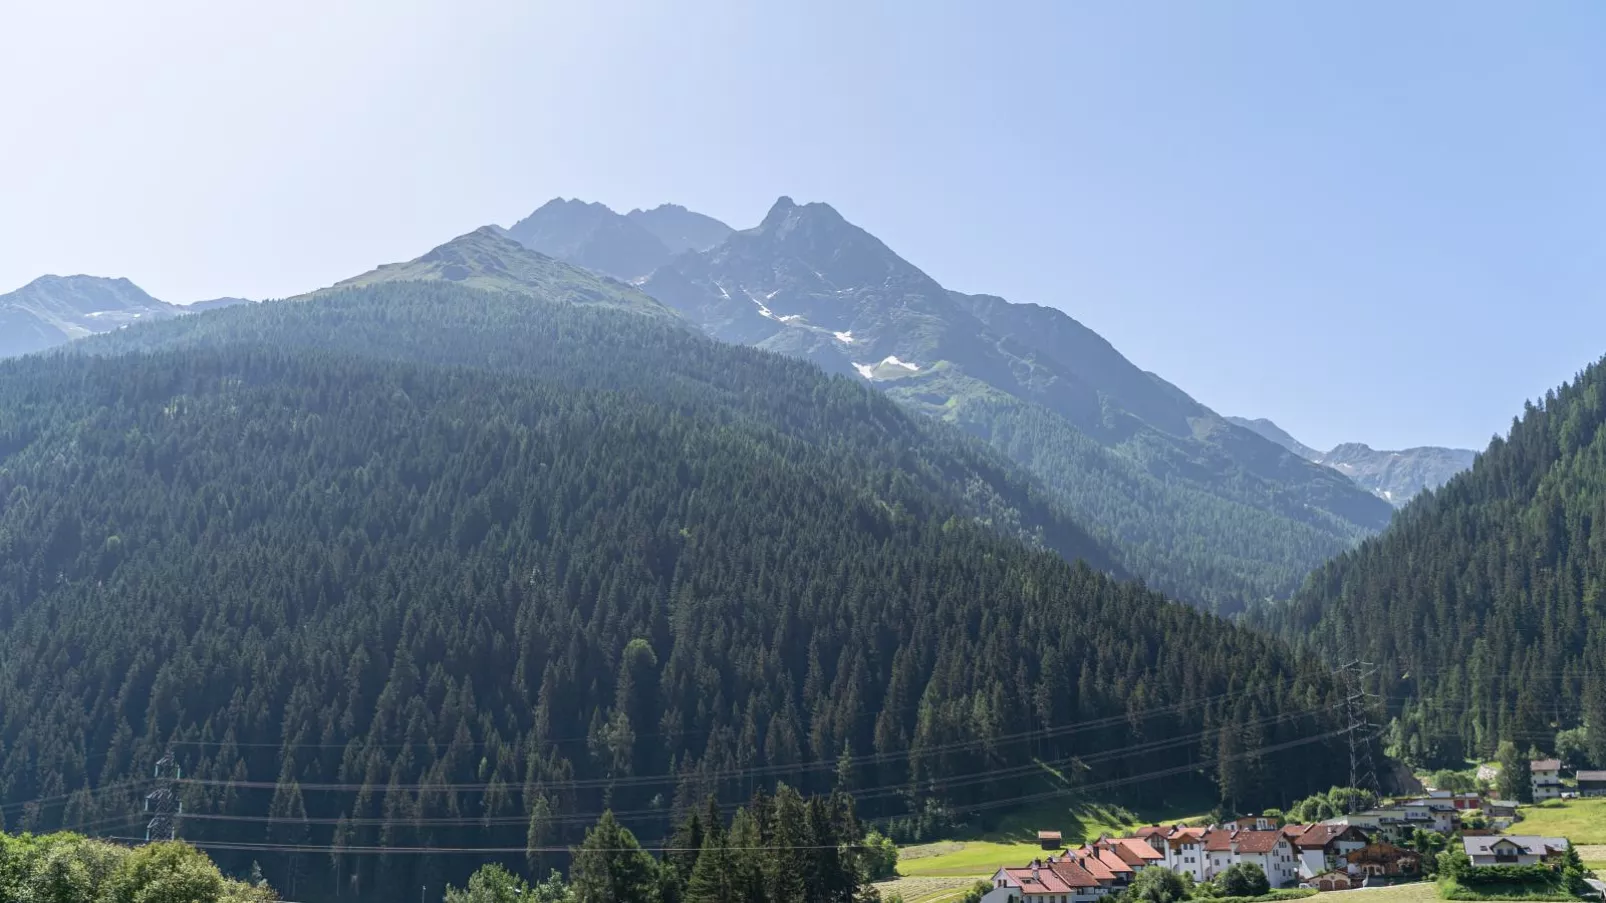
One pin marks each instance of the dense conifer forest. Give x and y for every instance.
(425, 566)
(1484, 606)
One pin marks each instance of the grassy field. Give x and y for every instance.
(968, 859)
(1583, 821)
(1418, 892)
(925, 889)
(1013, 840)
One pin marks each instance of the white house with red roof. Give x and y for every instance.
(1185, 853)
(1322, 848)
(1055, 880)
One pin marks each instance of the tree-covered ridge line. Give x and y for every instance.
(1483, 605)
(590, 347)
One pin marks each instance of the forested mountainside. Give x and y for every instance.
(1482, 606)
(1167, 482)
(421, 564)
(1394, 476)
(54, 310)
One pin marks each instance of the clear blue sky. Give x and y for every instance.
(1376, 221)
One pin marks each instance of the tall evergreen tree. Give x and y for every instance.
(611, 867)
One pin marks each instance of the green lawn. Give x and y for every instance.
(962, 859)
(1580, 821)
(1416, 892)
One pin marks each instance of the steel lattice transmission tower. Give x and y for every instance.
(163, 803)
(1359, 727)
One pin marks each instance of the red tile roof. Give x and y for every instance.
(1319, 837)
(1180, 835)
(1113, 861)
(1073, 875)
(1257, 841)
(1136, 851)
(1038, 881)
(1218, 840)
(1092, 866)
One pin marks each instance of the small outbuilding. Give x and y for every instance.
(1592, 783)
(1050, 840)
(1337, 879)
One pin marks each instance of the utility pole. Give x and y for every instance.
(1358, 725)
(163, 802)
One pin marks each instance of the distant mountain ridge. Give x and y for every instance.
(1394, 476)
(1133, 453)
(198, 307)
(680, 229)
(488, 258)
(625, 246)
(54, 310)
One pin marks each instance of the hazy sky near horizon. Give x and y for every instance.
(1367, 221)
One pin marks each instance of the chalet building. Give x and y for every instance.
(1184, 852)
(1049, 840)
(1592, 783)
(1053, 881)
(1322, 848)
(1271, 851)
(1513, 849)
(1384, 860)
(1546, 779)
(1107, 861)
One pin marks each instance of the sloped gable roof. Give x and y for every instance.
(1073, 875)
(1257, 841)
(1038, 881)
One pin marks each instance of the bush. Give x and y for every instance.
(1157, 885)
(1451, 889)
(1243, 880)
(1453, 864)
(880, 856)
(1293, 893)
(1507, 874)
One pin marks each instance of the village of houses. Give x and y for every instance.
(1360, 850)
